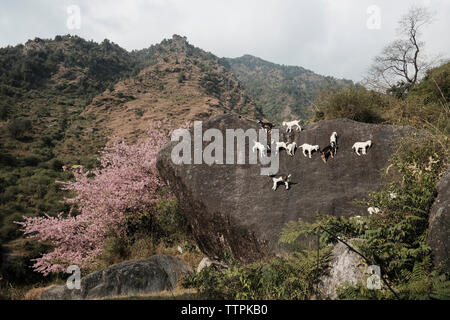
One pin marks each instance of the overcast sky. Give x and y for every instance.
(330, 37)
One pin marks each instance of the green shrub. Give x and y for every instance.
(435, 87)
(116, 249)
(355, 103)
(5, 110)
(294, 278)
(19, 127)
(139, 113)
(181, 77)
(396, 237)
(165, 224)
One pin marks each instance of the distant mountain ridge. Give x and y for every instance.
(181, 83)
(281, 92)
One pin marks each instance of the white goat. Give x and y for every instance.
(363, 146)
(283, 179)
(279, 145)
(358, 220)
(309, 148)
(290, 124)
(259, 146)
(290, 149)
(333, 139)
(373, 210)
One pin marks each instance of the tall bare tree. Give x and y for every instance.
(402, 63)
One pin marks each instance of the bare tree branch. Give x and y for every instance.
(402, 63)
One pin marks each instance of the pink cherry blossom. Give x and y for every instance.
(126, 181)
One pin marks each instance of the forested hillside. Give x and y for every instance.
(282, 92)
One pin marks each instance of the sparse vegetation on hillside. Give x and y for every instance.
(425, 106)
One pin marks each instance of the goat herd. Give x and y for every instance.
(307, 149)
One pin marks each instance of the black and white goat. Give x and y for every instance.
(280, 179)
(266, 125)
(333, 139)
(328, 151)
(363, 146)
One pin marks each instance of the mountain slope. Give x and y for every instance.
(281, 92)
(62, 99)
(183, 83)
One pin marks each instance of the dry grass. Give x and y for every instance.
(178, 293)
(35, 293)
(145, 248)
(158, 95)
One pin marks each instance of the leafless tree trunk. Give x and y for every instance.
(401, 63)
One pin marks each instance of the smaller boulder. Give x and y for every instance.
(155, 274)
(205, 263)
(346, 266)
(439, 225)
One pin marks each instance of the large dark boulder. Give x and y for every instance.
(155, 274)
(439, 231)
(232, 208)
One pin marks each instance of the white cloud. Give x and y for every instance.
(327, 36)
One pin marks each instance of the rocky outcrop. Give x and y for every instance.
(155, 274)
(439, 221)
(346, 267)
(232, 208)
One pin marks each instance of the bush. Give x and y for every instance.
(5, 110)
(355, 103)
(31, 161)
(181, 77)
(295, 278)
(116, 249)
(18, 127)
(435, 87)
(163, 227)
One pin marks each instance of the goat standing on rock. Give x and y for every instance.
(259, 146)
(266, 126)
(327, 152)
(279, 145)
(283, 179)
(291, 124)
(290, 149)
(333, 139)
(363, 146)
(309, 148)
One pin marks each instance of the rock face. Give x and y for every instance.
(155, 274)
(232, 208)
(345, 267)
(439, 232)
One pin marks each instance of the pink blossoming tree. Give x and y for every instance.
(127, 181)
